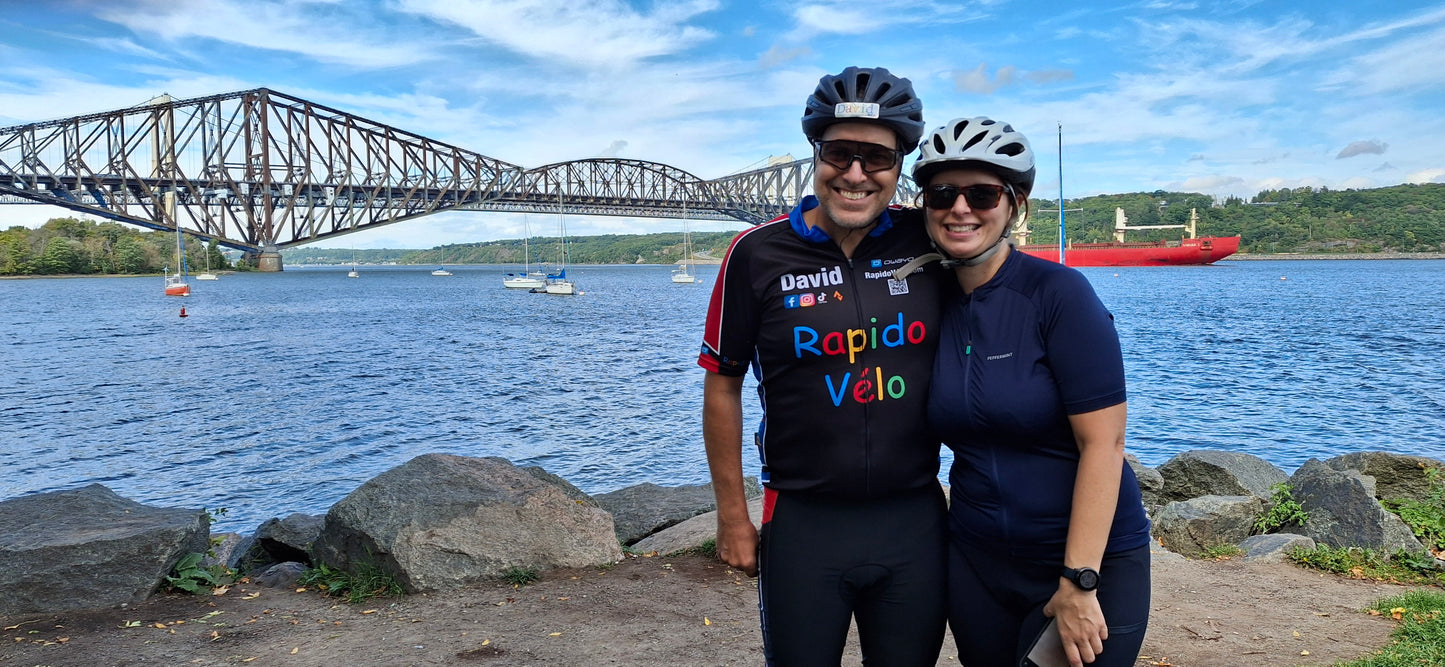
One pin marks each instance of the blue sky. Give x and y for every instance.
(1223, 98)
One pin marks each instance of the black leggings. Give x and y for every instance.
(996, 604)
(822, 561)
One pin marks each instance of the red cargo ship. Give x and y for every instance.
(1189, 250)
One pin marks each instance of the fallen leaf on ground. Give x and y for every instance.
(555, 634)
(370, 611)
(220, 590)
(294, 650)
(486, 641)
(706, 621)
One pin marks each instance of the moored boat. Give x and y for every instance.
(1191, 249)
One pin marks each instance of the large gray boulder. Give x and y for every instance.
(1205, 472)
(1151, 484)
(440, 521)
(1343, 511)
(89, 548)
(641, 510)
(1189, 527)
(1397, 476)
(694, 532)
(280, 540)
(1273, 548)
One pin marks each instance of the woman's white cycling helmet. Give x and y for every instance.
(981, 142)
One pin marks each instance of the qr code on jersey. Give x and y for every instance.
(896, 287)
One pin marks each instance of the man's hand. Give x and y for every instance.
(737, 545)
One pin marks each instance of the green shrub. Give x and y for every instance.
(1401, 566)
(190, 576)
(1283, 511)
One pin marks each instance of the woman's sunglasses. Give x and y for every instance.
(979, 197)
(840, 155)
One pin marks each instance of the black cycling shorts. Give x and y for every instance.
(823, 561)
(997, 603)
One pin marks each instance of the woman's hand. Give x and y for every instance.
(1081, 622)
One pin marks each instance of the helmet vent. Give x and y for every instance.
(971, 142)
(1011, 149)
(863, 80)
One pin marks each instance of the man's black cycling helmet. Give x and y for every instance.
(868, 94)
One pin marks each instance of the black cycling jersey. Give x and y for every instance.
(842, 353)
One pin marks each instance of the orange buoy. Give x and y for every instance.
(183, 312)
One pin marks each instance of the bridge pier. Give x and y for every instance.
(269, 260)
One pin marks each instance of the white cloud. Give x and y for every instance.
(603, 34)
(976, 80)
(1431, 175)
(326, 32)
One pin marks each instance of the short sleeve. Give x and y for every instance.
(730, 334)
(1081, 345)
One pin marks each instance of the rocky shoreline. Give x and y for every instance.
(442, 522)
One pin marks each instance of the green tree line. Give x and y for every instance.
(1401, 218)
(68, 246)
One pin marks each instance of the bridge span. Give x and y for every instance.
(259, 170)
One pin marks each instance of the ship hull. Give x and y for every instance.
(1203, 250)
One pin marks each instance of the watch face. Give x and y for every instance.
(1088, 579)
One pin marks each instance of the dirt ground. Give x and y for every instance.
(682, 610)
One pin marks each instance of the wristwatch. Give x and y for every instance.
(1086, 578)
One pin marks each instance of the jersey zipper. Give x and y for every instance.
(854, 291)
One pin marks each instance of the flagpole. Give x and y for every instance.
(1061, 194)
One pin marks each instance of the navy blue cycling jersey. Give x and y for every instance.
(841, 352)
(1016, 357)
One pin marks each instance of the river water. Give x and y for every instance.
(281, 393)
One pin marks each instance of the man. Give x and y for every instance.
(853, 516)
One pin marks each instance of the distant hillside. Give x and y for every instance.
(662, 248)
(1401, 218)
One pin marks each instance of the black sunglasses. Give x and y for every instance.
(840, 155)
(980, 197)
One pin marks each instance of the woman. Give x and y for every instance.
(1028, 391)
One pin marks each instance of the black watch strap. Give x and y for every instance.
(1086, 578)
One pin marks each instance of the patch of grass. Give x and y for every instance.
(1419, 639)
(1400, 567)
(1426, 519)
(368, 581)
(1224, 551)
(707, 548)
(520, 576)
(1283, 510)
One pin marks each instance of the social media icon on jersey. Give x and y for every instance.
(790, 301)
(876, 263)
(807, 299)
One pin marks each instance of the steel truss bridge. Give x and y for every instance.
(260, 170)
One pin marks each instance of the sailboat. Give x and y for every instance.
(685, 273)
(557, 283)
(442, 270)
(353, 273)
(527, 279)
(207, 275)
(176, 284)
